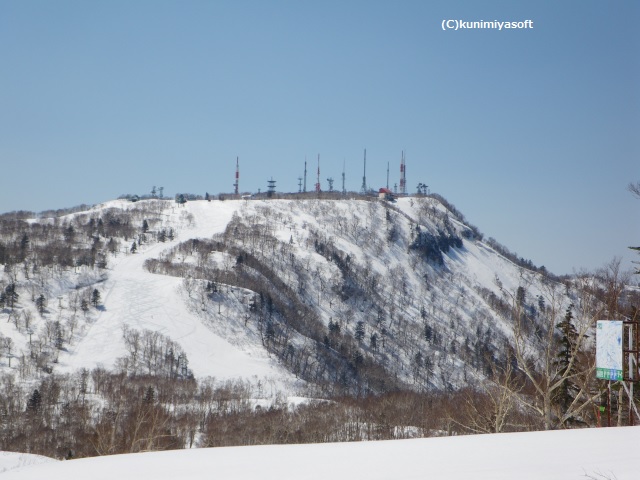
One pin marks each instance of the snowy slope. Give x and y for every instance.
(563, 455)
(141, 300)
(137, 299)
(388, 289)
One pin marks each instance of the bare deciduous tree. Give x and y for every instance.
(536, 350)
(491, 407)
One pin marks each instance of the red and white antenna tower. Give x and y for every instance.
(403, 176)
(318, 182)
(236, 185)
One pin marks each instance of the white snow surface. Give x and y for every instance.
(604, 453)
(14, 460)
(135, 298)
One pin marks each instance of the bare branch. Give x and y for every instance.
(634, 188)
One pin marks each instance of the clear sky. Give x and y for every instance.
(532, 133)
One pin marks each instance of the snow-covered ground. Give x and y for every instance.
(17, 461)
(606, 453)
(137, 299)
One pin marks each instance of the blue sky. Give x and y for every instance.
(532, 134)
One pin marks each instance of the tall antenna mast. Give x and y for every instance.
(363, 189)
(318, 181)
(305, 175)
(403, 176)
(344, 191)
(235, 185)
(387, 175)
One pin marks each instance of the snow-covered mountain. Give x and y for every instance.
(299, 294)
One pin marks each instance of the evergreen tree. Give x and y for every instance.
(213, 288)
(428, 333)
(134, 247)
(11, 295)
(149, 396)
(520, 296)
(95, 298)
(24, 242)
(566, 350)
(59, 337)
(183, 364)
(34, 402)
(359, 331)
(418, 364)
(541, 305)
(373, 341)
(24, 246)
(270, 332)
(69, 234)
(334, 327)
(145, 226)
(41, 303)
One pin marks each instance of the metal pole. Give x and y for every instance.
(609, 403)
(631, 415)
(630, 374)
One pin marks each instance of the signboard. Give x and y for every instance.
(609, 350)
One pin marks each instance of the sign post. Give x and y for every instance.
(616, 363)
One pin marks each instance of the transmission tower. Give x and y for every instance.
(403, 176)
(305, 175)
(387, 175)
(318, 178)
(344, 191)
(236, 185)
(271, 188)
(363, 189)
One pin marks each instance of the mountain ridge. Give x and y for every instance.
(415, 258)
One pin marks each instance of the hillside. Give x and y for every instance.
(403, 293)
(151, 325)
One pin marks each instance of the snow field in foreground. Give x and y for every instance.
(605, 453)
